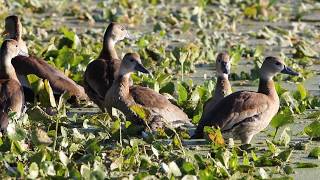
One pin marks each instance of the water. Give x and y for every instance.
(311, 19)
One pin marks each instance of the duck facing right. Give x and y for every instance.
(246, 113)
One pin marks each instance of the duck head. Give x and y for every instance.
(13, 27)
(116, 32)
(10, 49)
(223, 64)
(274, 65)
(131, 62)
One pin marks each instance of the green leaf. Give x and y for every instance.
(40, 137)
(176, 141)
(281, 119)
(72, 36)
(140, 111)
(234, 160)
(174, 169)
(85, 171)
(62, 103)
(285, 137)
(306, 165)
(313, 129)
(116, 126)
(97, 175)
(288, 169)
(302, 91)
(214, 135)
(246, 160)
(251, 12)
(63, 158)
(188, 168)
(182, 94)
(155, 151)
(35, 82)
(272, 147)
(263, 174)
(16, 133)
(303, 49)
(20, 168)
(207, 174)
(117, 164)
(36, 114)
(285, 155)
(194, 98)
(315, 153)
(33, 171)
(50, 93)
(48, 168)
(314, 115)
(46, 96)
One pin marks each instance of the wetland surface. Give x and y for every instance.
(248, 30)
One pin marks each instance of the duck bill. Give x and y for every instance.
(140, 68)
(287, 70)
(225, 68)
(129, 36)
(22, 53)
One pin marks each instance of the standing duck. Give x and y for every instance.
(122, 96)
(11, 92)
(25, 65)
(100, 73)
(223, 87)
(246, 113)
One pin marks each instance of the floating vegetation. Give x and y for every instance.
(177, 40)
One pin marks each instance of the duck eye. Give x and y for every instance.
(278, 63)
(16, 45)
(219, 60)
(131, 60)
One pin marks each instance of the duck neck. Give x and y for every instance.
(123, 84)
(108, 51)
(223, 87)
(6, 69)
(267, 87)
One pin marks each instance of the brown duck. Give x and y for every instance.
(25, 65)
(11, 93)
(122, 96)
(223, 87)
(246, 113)
(100, 73)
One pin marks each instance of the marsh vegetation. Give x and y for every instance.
(178, 42)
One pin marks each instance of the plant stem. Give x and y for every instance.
(182, 71)
(56, 135)
(275, 134)
(120, 129)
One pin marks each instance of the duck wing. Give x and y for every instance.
(59, 81)
(158, 104)
(148, 98)
(11, 98)
(99, 77)
(234, 109)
